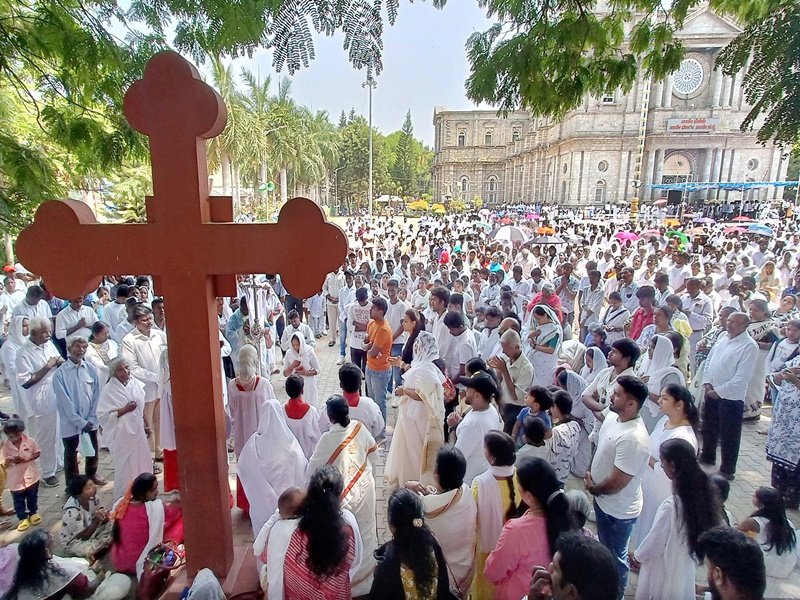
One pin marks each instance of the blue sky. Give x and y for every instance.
(424, 65)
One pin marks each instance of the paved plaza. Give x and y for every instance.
(753, 471)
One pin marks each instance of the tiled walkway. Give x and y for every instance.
(753, 471)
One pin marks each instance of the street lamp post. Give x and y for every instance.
(370, 83)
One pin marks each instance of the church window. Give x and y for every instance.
(608, 98)
(752, 164)
(600, 192)
(462, 137)
(487, 138)
(464, 184)
(602, 166)
(516, 134)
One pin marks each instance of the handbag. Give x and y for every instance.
(159, 564)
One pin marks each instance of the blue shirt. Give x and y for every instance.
(77, 391)
(524, 413)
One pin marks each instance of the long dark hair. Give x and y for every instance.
(322, 522)
(414, 543)
(504, 451)
(419, 323)
(34, 564)
(536, 476)
(682, 394)
(700, 505)
(780, 533)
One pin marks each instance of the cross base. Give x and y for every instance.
(243, 574)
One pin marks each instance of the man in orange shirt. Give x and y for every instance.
(378, 346)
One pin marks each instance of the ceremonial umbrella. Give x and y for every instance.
(509, 233)
(546, 230)
(742, 219)
(679, 234)
(626, 235)
(734, 230)
(671, 222)
(548, 239)
(760, 229)
(708, 220)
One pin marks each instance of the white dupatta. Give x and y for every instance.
(599, 363)
(658, 367)
(490, 506)
(155, 524)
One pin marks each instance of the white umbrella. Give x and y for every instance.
(509, 233)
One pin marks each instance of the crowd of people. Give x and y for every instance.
(539, 386)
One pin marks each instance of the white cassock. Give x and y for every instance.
(352, 450)
(166, 440)
(245, 408)
(305, 429)
(125, 435)
(271, 462)
(8, 354)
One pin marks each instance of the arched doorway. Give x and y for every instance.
(677, 169)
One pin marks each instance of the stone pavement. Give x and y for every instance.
(753, 471)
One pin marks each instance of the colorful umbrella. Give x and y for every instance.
(481, 225)
(651, 232)
(759, 229)
(532, 217)
(708, 220)
(734, 230)
(626, 235)
(509, 234)
(546, 230)
(680, 235)
(484, 212)
(506, 221)
(742, 219)
(548, 239)
(660, 202)
(671, 222)
(697, 231)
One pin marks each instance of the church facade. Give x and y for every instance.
(588, 157)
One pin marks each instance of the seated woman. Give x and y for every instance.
(86, 528)
(141, 521)
(451, 514)
(325, 550)
(411, 565)
(42, 576)
(773, 531)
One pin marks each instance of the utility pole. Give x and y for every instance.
(371, 83)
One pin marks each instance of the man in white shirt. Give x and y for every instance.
(615, 478)
(698, 309)
(679, 272)
(395, 311)
(334, 282)
(33, 305)
(347, 295)
(627, 289)
(36, 365)
(490, 293)
(729, 368)
(296, 325)
(489, 339)
(723, 283)
(362, 408)
(115, 312)
(761, 254)
(420, 299)
(142, 348)
(9, 300)
(466, 433)
(75, 319)
(622, 358)
(462, 345)
(520, 290)
(516, 377)
(591, 303)
(440, 298)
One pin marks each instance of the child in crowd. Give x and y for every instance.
(301, 418)
(273, 540)
(18, 454)
(316, 310)
(534, 431)
(724, 488)
(581, 510)
(537, 402)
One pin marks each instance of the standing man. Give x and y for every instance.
(566, 289)
(516, 377)
(698, 309)
(729, 367)
(591, 303)
(628, 288)
(36, 363)
(296, 325)
(395, 311)
(615, 479)
(440, 299)
(32, 306)
(378, 346)
(520, 290)
(346, 295)
(622, 358)
(142, 348)
(334, 282)
(357, 322)
(75, 319)
(77, 391)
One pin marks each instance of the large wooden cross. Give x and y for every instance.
(193, 249)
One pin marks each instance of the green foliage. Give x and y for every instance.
(126, 199)
(354, 163)
(457, 205)
(404, 166)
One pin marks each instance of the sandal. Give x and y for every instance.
(23, 525)
(35, 519)
(157, 470)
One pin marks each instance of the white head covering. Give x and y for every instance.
(599, 363)
(248, 362)
(661, 365)
(303, 354)
(270, 462)
(426, 350)
(15, 335)
(554, 323)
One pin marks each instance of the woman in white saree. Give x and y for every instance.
(594, 361)
(418, 434)
(17, 334)
(120, 411)
(544, 342)
(657, 369)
